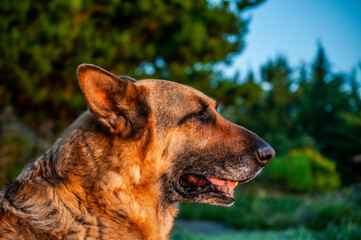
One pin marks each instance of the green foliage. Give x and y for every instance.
(250, 212)
(321, 103)
(42, 43)
(293, 170)
(323, 172)
(331, 216)
(333, 213)
(346, 231)
(339, 209)
(305, 170)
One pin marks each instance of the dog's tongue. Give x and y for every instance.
(224, 185)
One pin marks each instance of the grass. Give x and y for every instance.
(343, 232)
(290, 234)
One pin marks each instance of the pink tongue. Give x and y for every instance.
(225, 185)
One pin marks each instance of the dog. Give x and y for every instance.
(120, 170)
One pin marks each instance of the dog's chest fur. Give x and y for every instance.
(77, 190)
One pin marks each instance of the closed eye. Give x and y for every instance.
(198, 115)
(203, 115)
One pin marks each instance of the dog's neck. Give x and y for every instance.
(99, 184)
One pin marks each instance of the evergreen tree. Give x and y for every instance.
(320, 114)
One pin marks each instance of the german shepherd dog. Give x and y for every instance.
(120, 169)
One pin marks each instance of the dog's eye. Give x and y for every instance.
(202, 116)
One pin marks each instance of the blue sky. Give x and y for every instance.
(293, 28)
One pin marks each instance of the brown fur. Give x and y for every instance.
(115, 173)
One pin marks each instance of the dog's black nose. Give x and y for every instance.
(265, 153)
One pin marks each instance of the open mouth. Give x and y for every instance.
(193, 185)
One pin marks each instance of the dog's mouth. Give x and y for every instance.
(199, 188)
(197, 183)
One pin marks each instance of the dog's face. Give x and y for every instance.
(197, 155)
(208, 155)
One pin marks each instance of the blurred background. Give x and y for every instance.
(287, 70)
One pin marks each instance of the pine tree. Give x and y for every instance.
(320, 114)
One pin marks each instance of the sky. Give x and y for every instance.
(293, 28)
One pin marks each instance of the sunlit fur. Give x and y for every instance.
(113, 173)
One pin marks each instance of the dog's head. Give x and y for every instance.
(194, 153)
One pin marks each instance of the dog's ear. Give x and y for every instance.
(111, 99)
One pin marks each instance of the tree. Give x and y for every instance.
(42, 43)
(325, 113)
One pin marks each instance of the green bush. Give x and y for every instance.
(324, 174)
(293, 170)
(305, 170)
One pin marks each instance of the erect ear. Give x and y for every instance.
(112, 99)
